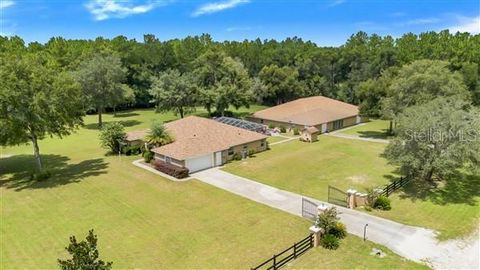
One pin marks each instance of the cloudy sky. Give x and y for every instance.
(326, 22)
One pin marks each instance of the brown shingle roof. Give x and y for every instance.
(136, 135)
(311, 130)
(310, 111)
(196, 136)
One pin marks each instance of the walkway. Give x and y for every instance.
(287, 139)
(339, 134)
(353, 137)
(411, 242)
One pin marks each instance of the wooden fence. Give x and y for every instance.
(389, 189)
(291, 253)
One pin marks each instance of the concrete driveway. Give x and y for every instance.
(415, 243)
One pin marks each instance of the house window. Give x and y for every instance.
(261, 121)
(230, 151)
(338, 124)
(262, 144)
(245, 147)
(168, 159)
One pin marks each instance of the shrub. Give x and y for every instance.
(251, 152)
(126, 150)
(271, 126)
(328, 219)
(158, 134)
(329, 241)
(170, 169)
(296, 131)
(135, 149)
(339, 230)
(111, 136)
(41, 175)
(283, 129)
(148, 156)
(219, 114)
(382, 203)
(237, 156)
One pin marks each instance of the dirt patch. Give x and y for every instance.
(357, 179)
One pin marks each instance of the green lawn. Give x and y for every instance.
(309, 168)
(358, 254)
(274, 139)
(142, 220)
(376, 129)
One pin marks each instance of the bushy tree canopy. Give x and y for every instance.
(36, 100)
(85, 255)
(436, 138)
(175, 92)
(421, 82)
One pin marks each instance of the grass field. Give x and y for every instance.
(376, 129)
(358, 254)
(309, 168)
(142, 220)
(274, 139)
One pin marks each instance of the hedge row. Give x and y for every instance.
(170, 169)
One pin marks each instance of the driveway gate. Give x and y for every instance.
(309, 209)
(337, 196)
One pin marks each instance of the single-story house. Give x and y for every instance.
(323, 113)
(201, 143)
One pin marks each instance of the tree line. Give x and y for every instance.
(278, 71)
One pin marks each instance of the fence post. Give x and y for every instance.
(274, 262)
(295, 250)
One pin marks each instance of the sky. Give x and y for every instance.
(325, 22)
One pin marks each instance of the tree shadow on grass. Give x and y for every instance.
(125, 123)
(20, 167)
(128, 114)
(459, 187)
(374, 134)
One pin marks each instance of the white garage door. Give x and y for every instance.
(199, 163)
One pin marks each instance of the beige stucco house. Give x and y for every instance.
(201, 143)
(323, 113)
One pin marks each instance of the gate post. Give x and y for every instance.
(317, 234)
(351, 198)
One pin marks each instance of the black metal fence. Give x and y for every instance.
(337, 196)
(390, 188)
(289, 254)
(309, 209)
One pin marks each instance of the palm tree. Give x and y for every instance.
(158, 134)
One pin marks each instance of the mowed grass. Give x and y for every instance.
(142, 220)
(358, 253)
(375, 129)
(274, 139)
(308, 169)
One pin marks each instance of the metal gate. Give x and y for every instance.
(337, 196)
(309, 209)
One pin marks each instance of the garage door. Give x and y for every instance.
(199, 163)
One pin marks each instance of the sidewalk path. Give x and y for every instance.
(339, 134)
(353, 137)
(415, 243)
(287, 139)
